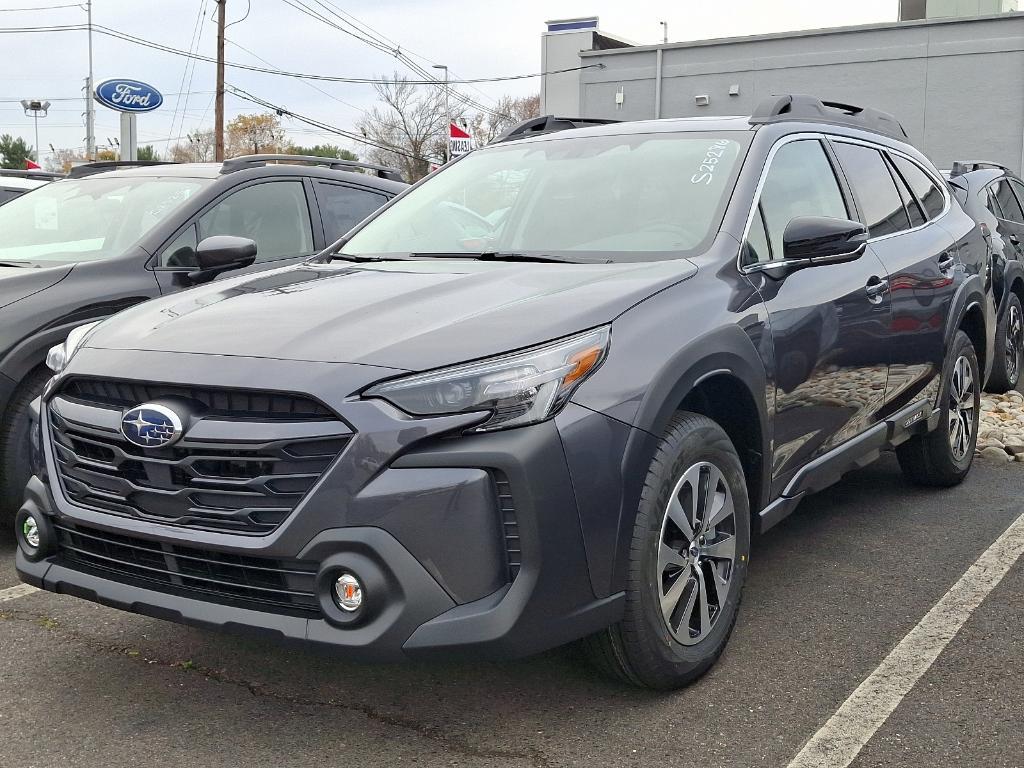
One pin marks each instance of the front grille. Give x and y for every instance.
(233, 403)
(279, 586)
(509, 526)
(242, 486)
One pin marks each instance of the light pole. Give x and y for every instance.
(447, 114)
(35, 108)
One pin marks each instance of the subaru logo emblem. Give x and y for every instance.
(151, 426)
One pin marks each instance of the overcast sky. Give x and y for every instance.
(475, 39)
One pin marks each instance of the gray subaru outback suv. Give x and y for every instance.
(547, 394)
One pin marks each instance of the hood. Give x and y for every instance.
(409, 315)
(17, 283)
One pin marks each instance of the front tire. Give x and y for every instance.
(15, 467)
(943, 457)
(687, 561)
(1009, 349)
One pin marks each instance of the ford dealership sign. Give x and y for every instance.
(128, 95)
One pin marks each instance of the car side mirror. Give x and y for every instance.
(221, 253)
(815, 240)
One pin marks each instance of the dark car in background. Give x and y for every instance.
(112, 235)
(16, 183)
(536, 399)
(994, 196)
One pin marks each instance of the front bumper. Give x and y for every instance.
(412, 510)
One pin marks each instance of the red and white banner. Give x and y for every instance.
(459, 141)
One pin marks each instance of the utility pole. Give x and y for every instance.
(447, 115)
(218, 127)
(90, 112)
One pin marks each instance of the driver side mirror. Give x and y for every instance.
(815, 240)
(221, 253)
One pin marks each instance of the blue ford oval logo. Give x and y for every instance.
(151, 426)
(128, 95)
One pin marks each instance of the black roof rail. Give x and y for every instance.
(795, 106)
(29, 173)
(536, 126)
(960, 167)
(253, 161)
(88, 169)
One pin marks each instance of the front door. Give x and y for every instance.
(828, 322)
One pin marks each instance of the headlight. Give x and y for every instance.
(521, 388)
(59, 356)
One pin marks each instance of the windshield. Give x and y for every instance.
(600, 198)
(88, 219)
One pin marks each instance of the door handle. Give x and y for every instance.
(946, 263)
(1014, 239)
(876, 289)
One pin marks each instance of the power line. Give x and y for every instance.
(44, 8)
(283, 73)
(193, 46)
(243, 94)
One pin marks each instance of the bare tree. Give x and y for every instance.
(199, 148)
(407, 127)
(508, 111)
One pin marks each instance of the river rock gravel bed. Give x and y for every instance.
(1001, 431)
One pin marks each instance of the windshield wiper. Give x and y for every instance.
(496, 256)
(15, 264)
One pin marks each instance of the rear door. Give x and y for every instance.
(828, 322)
(919, 255)
(1005, 199)
(342, 206)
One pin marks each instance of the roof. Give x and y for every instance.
(809, 33)
(664, 125)
(213, 171)
(19, 182)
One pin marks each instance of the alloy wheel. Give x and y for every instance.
(696, 553)
(961, 408)
(1014, 343)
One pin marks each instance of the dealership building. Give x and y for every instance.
(954, 78)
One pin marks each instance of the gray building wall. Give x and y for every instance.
(957, 85)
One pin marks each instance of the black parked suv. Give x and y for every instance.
(994, 196)
(115, 234)
(557, 417)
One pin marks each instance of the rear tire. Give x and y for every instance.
(15, 465)
(1009, 349)
(943, 457)
(687, 562)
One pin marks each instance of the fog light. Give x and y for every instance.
(30, 530)
(348, 592)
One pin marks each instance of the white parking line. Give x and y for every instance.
(852, 726)
(13, 593)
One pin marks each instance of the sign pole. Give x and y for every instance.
(129, 137)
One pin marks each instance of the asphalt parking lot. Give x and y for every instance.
(831, 591)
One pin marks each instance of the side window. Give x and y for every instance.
(756, 248)
(922, 185)
(914, 211)
(800, 182)
(182, 250)
(1007, 201)
(342, 207)
(992, 203)
(873, 185)
(273, 213)
(1019, 189)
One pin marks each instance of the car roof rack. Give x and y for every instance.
(99, 166)
(537, 126)
(29, 173)
(960, 167)
(253, 161)
(799, 107)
